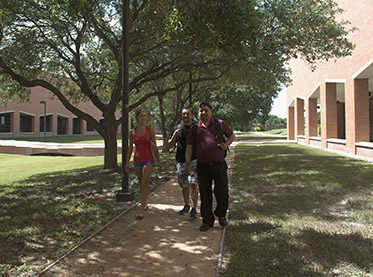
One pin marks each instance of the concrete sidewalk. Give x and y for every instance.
(49, 148)
(164, 243)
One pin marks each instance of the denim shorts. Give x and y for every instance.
(144, 163)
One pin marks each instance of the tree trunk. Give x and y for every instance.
(165, 147)
(110, 158)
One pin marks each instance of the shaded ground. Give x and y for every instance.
(162, 244)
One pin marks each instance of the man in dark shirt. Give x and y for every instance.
(211, 164)
(188, 182)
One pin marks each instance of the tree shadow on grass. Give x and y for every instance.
(287, 179)
(44, 216)
(45, 211)
(263, 249)
(308, 198)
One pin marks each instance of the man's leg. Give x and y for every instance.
(182, 179)
(193, 181)
(221, 191)
(186, 195)
(205, 190)
(194, 196)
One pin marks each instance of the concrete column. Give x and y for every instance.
(36, 125)
(54, 123)
(357, 113)
(311, 118)
(83, 126)
(15, 118)
(341, 120)
(299, 117)
(69, 127)
(328, 101)
(290, 123)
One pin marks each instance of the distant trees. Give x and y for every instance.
(274, 122)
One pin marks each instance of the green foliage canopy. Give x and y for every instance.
(73, 48)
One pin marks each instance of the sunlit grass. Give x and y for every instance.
(48, 204)
(261, 136)
(299, 211)
(16, 167)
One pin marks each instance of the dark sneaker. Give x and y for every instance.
(204, 227)
(193, 213)
(222, 221)
(185, 210)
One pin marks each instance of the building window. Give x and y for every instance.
(76, 125)
(25, 125)
(48, 123)
(5, 123)
(62, 125)
(89, 127)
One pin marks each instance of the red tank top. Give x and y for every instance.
(142, 147)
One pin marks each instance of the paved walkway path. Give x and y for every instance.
(164, 243)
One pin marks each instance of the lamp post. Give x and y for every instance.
(125, 195)
(45, 119)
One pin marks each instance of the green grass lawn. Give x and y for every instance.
(280, 132)
(299, 211)
(277, 134)
(49, 204)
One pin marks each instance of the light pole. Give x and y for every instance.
(125, 195)
(45, 119)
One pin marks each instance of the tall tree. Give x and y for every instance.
(73, 47)
(240, 105)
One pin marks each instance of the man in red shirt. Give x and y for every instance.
(211, 164)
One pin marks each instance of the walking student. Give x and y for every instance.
(143, 159)
(211, 165)
(187, 182)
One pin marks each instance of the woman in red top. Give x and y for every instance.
(143, 159)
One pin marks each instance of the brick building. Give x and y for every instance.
(340, 91)
(27, 118)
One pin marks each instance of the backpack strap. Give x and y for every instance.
(220, 133)
(218, 129)
(177, 139)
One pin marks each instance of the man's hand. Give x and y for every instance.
(188, 155)
(172, 141)
(223, 146)
(188, 168)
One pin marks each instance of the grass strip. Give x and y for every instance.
(299, 211)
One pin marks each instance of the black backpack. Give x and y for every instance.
(179, 126)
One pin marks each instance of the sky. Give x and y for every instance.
(279, 105)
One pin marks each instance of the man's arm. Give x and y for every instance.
(172, 140)
(226, 144)
(228, 132)
(188, 156)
